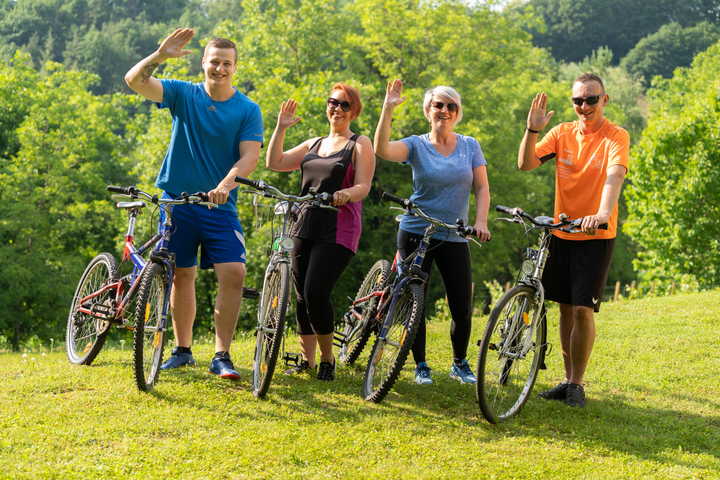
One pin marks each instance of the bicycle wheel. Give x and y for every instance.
(149, 336)
(511, 351)
(389, 354)
(358, 325)
(85, 333)
(271, 327)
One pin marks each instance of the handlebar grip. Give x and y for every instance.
(256, 184)
(603, 226)
(502, 209)
(122, 190)
(325, 198)
(393, 198)
(203, 196)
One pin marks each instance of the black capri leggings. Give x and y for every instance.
(316, 268)
(453, 262)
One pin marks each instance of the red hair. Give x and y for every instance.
(352, 95)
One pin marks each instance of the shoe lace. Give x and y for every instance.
(325, 370)
(464, 370)
(423, 372)
(576, 394)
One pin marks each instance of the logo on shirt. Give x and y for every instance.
(212, 108)
(568, 158)
(595, 162)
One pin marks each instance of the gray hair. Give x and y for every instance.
(446, 95)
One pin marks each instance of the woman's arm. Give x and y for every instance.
(384, 148)
(364, 171)
(481, 190)
(277, 159)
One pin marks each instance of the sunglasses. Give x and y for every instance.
(589, 100)
(332, 103)
(452, 107)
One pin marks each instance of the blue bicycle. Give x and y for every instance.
(137, 301)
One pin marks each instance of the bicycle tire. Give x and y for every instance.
(149, 336)
(389, 354)
(271, 327)
(504, 383)
(354, 338)
(85, 335)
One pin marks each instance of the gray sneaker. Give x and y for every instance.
(558, 392)
(575, 395)
(463, 372)
(422, 374)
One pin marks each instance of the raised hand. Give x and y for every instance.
(172, 46)
(393, 95)
(537, 119)
(286, 117)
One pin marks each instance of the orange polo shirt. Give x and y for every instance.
(581, 163)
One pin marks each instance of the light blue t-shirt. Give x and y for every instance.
(441, 185)
(205, 138)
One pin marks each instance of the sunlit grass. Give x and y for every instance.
(652, 412)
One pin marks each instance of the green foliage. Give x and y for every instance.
(670, 47)
(673, 201)
(574, 28)
(56, 211)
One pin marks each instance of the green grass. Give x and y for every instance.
(653, 412)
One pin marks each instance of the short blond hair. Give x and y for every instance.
(446, 95)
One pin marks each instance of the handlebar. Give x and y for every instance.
(321, 200)
(412, 209)
(565, 224)
(199, 198)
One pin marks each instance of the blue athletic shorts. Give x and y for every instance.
(218, 233)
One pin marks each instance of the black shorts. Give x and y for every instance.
(577, 270)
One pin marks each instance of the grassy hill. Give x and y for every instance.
(653, 412)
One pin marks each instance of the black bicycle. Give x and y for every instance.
(514, 344)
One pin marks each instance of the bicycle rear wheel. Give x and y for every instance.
(149, 336)
(358, 319)
(85, 333)
(271, 326)
(389, 354)
(511, 351)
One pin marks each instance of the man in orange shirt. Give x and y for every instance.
(591, 161)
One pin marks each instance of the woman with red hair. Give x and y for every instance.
(342, 163)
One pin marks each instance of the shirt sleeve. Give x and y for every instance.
(619, 153)
(546, 148)
(478, 159)
(252, 128)
(171, 88)
(410, 144)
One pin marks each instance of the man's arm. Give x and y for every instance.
(140, 79)
(249, 155)
(527, 159)
(610, 195)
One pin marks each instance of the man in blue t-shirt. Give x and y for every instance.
(217, 134)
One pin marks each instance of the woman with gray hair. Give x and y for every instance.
(446, 167)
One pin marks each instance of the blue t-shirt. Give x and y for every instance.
(205, 138)
(441, 185)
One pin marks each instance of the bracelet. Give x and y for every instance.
(532, 131)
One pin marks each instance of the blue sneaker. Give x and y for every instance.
(177, 359)
(422, 374)
(462, 372)
(224, 367)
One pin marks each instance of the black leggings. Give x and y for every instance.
(316, 268)
(453, 262)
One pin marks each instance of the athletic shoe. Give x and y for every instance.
(224, 368)
(558, 392)
(177, 359)
(462, 372)
(300, 368)
(575, 395)
(422, 374)
(326, 372)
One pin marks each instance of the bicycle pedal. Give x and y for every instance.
(251, 293)
(292, 359)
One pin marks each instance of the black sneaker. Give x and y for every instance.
(558, 392)
(326, 372)
(575, 395)
(303, 366)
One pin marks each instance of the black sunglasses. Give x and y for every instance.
(452, 107)
(332, 103)
(589, 100)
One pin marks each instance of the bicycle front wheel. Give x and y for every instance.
(271, 327)
(149, 336)
(389, 354)
(86, 333)
(358, 320)
(510, 354)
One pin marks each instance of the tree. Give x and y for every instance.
(670, 47)
(673, 200)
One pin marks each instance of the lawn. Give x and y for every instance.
(653, 412)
